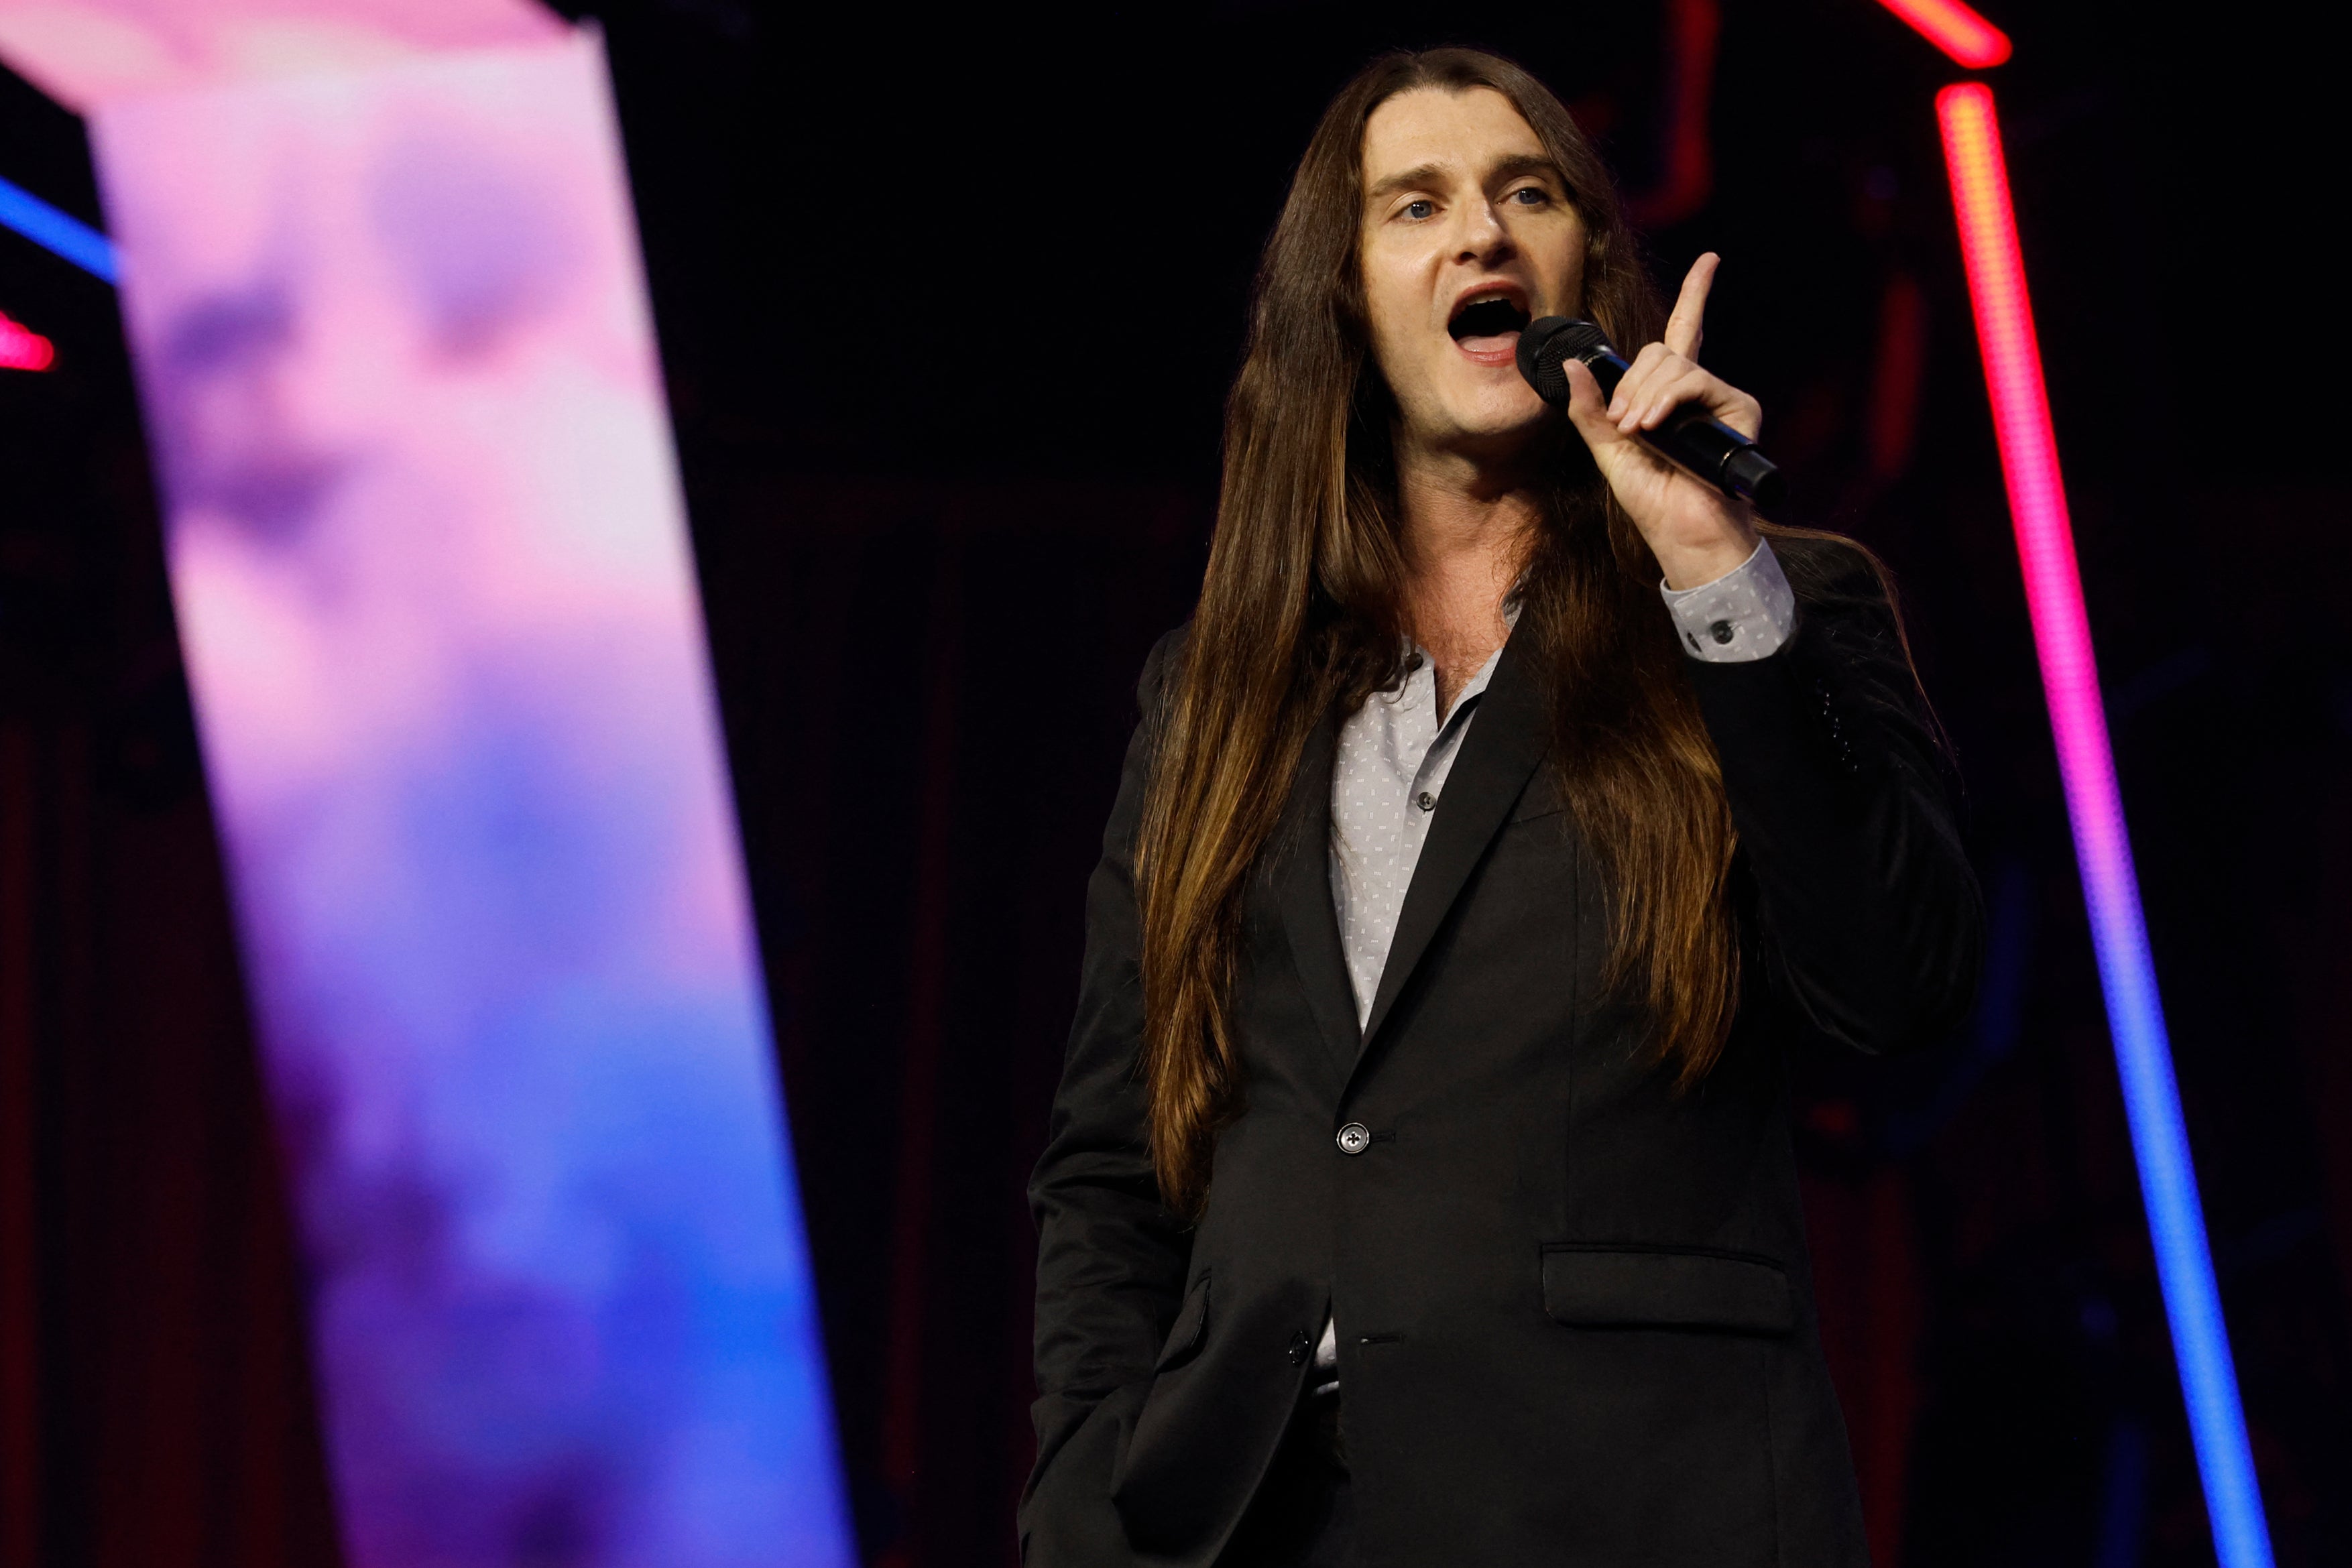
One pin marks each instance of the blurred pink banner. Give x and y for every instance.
(89, 53)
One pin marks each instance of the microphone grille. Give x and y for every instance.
(1549, 340)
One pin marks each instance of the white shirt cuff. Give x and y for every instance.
(1747, 613)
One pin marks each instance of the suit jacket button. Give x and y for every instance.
(1355, 1138)
(1301, 1347)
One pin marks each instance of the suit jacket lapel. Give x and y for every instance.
(1507, 739)
(1303, 892)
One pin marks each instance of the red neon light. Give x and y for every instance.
(1956, 29)
(2012, 357)
(22, 348)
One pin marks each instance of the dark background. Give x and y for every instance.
(947, 305)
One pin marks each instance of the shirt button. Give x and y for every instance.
(1355, 1138)
(1720, 631)
(1425, 800)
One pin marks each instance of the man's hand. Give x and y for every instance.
(1696, 531)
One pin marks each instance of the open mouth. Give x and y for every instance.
(1487, 321)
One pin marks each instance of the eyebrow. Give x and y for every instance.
(1404, 179)
(1510, 168)
(1523, 163)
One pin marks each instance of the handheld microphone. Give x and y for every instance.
(1704, 446)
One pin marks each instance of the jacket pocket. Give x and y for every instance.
(1192, 1327)
(1604, 1287)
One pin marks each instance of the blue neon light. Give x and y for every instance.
(2176, 1222)
(52, 230)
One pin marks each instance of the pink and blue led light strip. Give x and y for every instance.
(61, 234)
(2069, 684)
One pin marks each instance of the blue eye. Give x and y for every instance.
(1531, 195)
(1420, 209)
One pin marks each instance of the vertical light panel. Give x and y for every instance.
(440, 621)
(2069, 683)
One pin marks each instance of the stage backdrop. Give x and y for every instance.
(383, 289)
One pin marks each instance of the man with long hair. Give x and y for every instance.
(1420, 1189)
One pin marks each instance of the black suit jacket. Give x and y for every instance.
(1575, 1312)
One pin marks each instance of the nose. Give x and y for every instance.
(1484, 237)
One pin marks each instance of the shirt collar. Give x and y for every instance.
(1418, 659)
(1472, 689)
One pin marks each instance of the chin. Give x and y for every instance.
(1503, 420)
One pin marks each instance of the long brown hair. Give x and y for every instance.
(1301, 610)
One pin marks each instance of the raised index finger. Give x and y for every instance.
(1687, 326)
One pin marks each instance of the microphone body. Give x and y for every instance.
(1690, 438)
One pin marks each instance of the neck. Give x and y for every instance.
(1465, 528)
